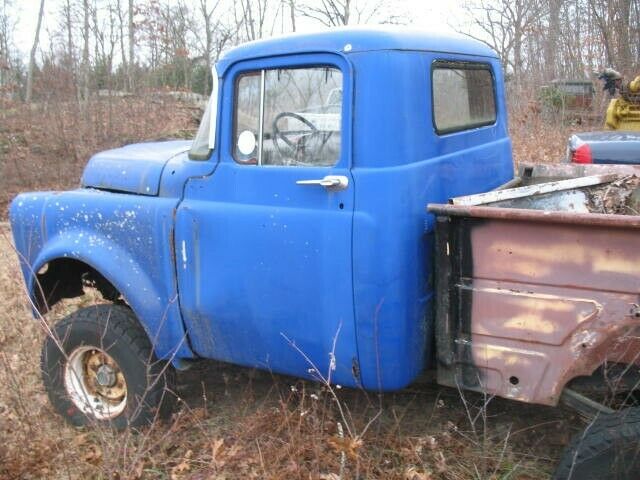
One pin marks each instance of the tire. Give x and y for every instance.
(98, 368)
(609, 448)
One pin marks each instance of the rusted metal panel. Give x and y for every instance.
(580, 256)
(528, 317)
(572, 170)
(534, 302)
(538, 216)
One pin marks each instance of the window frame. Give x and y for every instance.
(260, 71)
(234, 117)
(444, 64)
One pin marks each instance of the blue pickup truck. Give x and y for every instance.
(292, 234)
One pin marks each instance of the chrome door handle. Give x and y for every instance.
(330, 182)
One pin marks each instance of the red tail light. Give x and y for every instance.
(582, 154)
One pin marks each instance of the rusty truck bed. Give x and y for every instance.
(528, 300)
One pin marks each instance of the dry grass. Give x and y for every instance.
(46, 146)
(236, 423)
(536, 140)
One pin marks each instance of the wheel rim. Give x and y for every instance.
(95, 383)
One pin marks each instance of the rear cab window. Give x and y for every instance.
(463, 96)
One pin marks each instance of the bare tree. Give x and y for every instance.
(84, 69)
(552, 39)
(613, 19)
(603, 14)
(178, 24)
(292, 14)
(121, 23)
(328, 12)
(218, 33)
(68, 25)
(504, 25)
(253, 17)
(6, 30)
(623, 45)
(132, 43)
(333, 13)
(32, 55)
(105, 33)
(207, 14)
(156, 43)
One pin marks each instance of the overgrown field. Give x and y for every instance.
(45, 146)
(235, 423)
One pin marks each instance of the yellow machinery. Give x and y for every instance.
(623, 112)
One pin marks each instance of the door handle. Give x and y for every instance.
(330, 182)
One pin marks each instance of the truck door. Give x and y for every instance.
(264, 244)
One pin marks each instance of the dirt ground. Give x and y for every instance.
(240, 423)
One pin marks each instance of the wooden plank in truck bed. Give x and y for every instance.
(529, 190)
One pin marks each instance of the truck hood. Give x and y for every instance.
(133, 168)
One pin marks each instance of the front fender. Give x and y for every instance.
(159, 315)
(128, 239)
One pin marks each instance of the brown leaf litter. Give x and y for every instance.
(621, 197)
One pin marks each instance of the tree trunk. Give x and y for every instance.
(132, 42)
(209, 48)
(32, 56)
(292, 12)
(552, 43)
(85, 53)
(517, 52)
(208, 45)
(121, 38)
(624, 47)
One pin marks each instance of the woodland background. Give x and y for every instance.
(137, 45)
(102, 73)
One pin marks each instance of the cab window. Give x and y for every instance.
(288, 117)
(463, 96)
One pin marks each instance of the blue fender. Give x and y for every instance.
(127, 239)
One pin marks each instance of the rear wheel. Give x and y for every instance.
(609, 448)
(99, 367)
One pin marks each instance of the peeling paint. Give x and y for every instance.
(183, 250)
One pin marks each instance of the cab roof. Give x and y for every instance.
(346, 40)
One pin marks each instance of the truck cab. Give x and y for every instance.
(291, 234)
(291, 255)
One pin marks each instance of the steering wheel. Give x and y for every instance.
(294, 149)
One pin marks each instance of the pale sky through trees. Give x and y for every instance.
(423, 14)
(536, 40)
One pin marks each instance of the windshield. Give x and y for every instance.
(204, 141)
(200, 147)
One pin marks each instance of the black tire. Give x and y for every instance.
(115, 331)
(609, 448)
